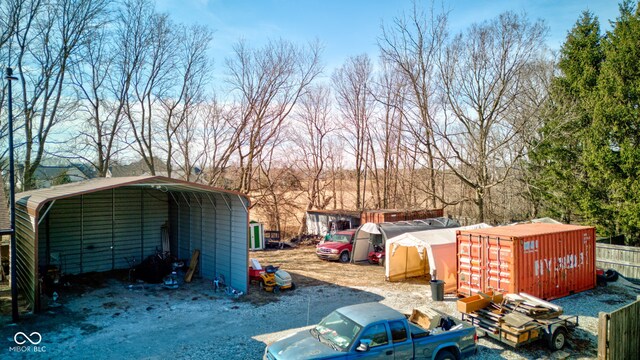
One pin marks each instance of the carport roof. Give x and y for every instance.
(35, 199)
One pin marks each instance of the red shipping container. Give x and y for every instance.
(380, 216)
(544, 260)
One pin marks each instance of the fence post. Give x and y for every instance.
(603, 340)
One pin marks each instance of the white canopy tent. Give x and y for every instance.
(364, 240)
(425, 252)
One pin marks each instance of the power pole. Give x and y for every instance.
(15, 315)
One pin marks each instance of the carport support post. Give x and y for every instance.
(15, 315)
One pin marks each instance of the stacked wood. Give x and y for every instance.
(516, 318)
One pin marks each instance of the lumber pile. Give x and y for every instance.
(516, 317)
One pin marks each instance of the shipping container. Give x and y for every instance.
(381, 216)
(544, 260)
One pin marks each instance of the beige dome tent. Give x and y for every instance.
(425, 252)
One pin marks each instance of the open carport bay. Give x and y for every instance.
(110, 319)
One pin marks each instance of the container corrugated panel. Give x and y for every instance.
(423, 214)
(545, 260)
(380, 216)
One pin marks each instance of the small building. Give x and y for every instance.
(96, 225)
(256, 235)
(320, 222)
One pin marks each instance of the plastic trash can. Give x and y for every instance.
(437, 290)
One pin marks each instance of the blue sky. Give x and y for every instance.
(350, 27)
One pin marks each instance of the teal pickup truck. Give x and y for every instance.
(375, 331)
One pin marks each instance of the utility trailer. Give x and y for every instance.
(553, 331)
(517, 320)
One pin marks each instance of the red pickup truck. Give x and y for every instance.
(338, 247)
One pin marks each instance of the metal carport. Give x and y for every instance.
(95, 225)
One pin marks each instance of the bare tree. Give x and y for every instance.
(190, 73)
(485, 72)
(48, 38)
(151, 79)
(268, 83)
(219, 138)
(387, 135)
(412, 44)
(10, 13)
(352, 82)
(311, 135)
(101, 124)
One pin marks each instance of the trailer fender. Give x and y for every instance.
(551, 329)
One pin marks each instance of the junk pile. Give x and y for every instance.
(433, 321)
(160, 268)
(517, 319)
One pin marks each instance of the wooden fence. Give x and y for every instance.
(619, 333)
(624, 259)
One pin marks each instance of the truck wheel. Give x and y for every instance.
(276, 289)
(381, 262)
(344, 257)
(558, 339)
(293, 286)
(445, 355)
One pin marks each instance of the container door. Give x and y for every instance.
(469, 264)
(498, 264)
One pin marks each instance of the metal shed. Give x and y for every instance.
(96, 224)
(320, 222)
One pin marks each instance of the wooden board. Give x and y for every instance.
(428, 319)
(516, 319)
(479, 301)
(192, 265)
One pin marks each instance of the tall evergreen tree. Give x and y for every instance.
(557, 163)
(614, 140)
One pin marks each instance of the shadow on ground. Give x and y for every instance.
(106, 316)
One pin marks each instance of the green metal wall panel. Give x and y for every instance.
(209, 238)
(155, 214)
(65, 231)
(223, 239)
(99, 231)
(127, 227)
(239, 241)
(184, 228)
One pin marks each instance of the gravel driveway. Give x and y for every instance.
(115, 320)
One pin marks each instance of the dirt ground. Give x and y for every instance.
(104, 316)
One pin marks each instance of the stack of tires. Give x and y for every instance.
(607, 276)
